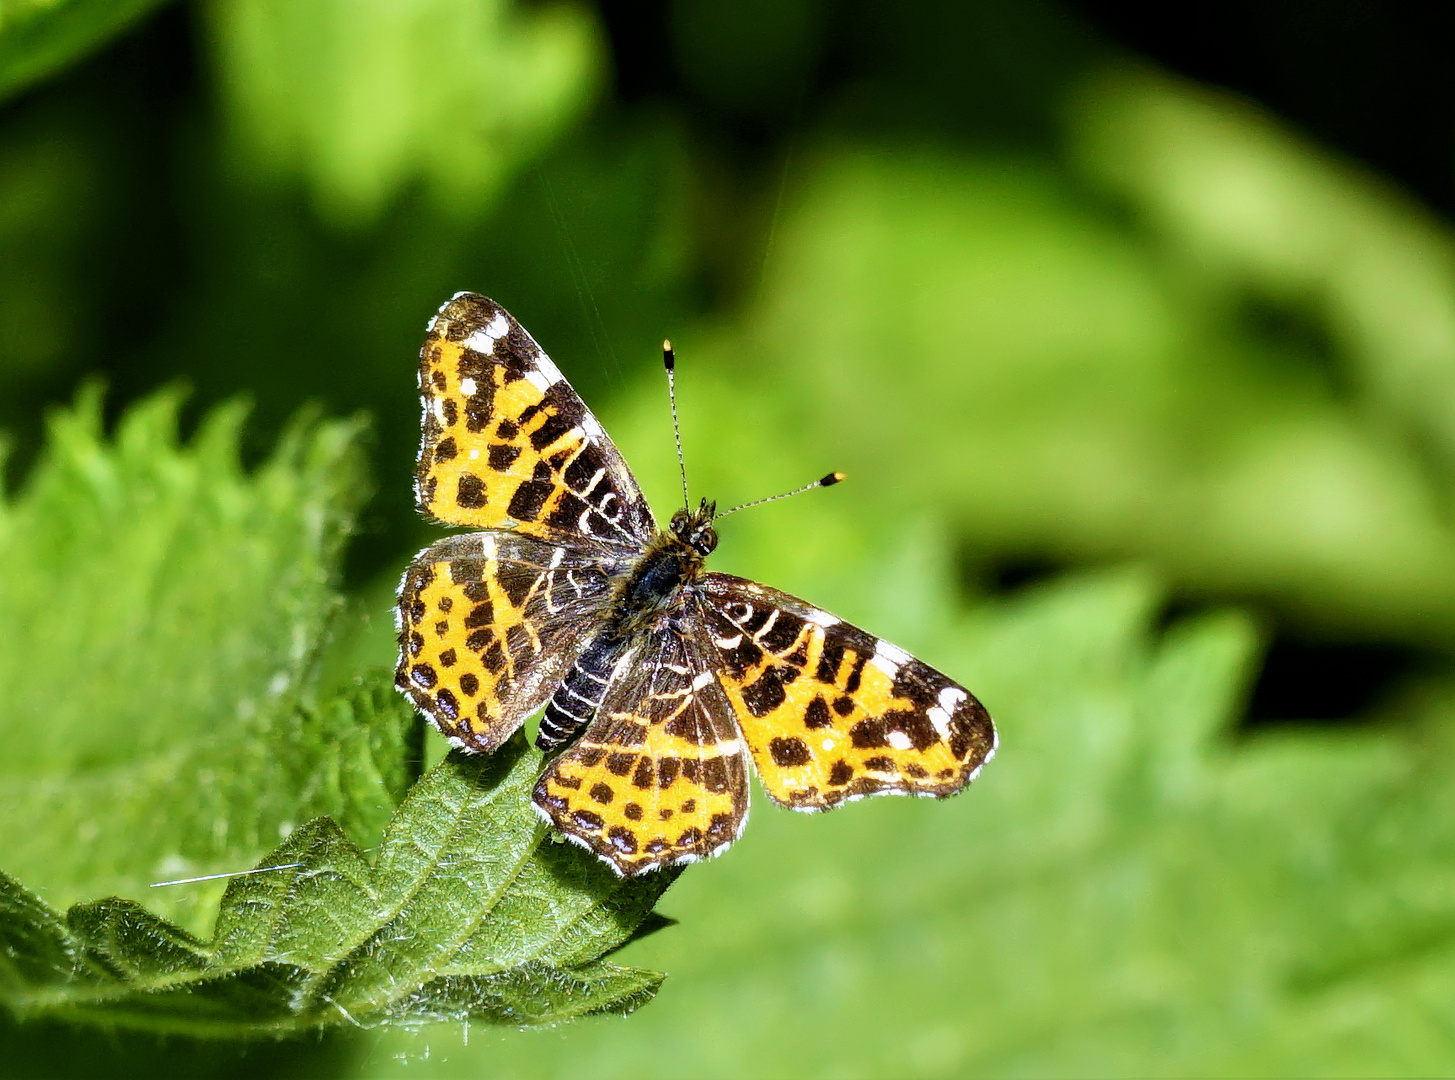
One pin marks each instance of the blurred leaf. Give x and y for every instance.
(47, 207)
(38, 37)
(1243, 204)
(1078, 401)
(156, 696)
(459, 93)
(467, 914)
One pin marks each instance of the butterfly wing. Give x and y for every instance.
(488, 625)
(661, 775)
(508, 444)
(831, 712)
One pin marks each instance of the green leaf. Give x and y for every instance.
(1090, 395)
(469, 912)
(156, 695)
(163, 719)
(461, 93)
(38, 37)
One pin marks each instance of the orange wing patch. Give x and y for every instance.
(832, 713)
(661, 776)
(507, 444)
(488, 624)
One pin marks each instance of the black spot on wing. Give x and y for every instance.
(562, 413)
(522, 648)
(689, 728)
(916, 725)
(782, 634)
(765, 694)
(501, 456)
(528, 500)
(788, 752)
(829, 659)
(918, 683)
(470, 495)
(581, 473)
(516, 351)
(567, 512)
(868, 734)
(480, 406)
(971, 732)
(516, 586)
(470, 575)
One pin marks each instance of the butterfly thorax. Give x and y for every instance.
(651, 588)
(649, 595)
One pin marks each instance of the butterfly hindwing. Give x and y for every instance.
(488, 624)
(832, 713)
(508, 444)
(660, 776)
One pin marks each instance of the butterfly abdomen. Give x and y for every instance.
(576, 700)
(649, 590)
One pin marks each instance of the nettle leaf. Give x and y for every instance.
(156, 709)
(162, 717)
(469, 912)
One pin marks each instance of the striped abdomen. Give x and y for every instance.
(576, 700)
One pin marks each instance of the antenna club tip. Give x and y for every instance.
(833, 478)
(668, 358)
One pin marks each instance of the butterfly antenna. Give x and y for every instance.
(669, 361)
(827, 481)
(232, 874)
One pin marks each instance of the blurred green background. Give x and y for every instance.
(1135, 335)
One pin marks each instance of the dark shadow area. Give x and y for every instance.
(1363, 76)
(1011, 575)
(1302, 679)
(44, 1050)
(1294, 335)
(1307, 680)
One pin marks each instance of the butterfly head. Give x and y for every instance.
(694, 528)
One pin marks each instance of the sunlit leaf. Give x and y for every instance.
(460, 93)
(467, 913)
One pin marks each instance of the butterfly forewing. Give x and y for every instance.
(661, 775)
(831, 712)
(489, 623)
(507, 444)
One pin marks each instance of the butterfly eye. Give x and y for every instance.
(705, 541)
(679, 522)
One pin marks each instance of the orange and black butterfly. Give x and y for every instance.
(661, 679)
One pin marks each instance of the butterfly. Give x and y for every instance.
(660, 681)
